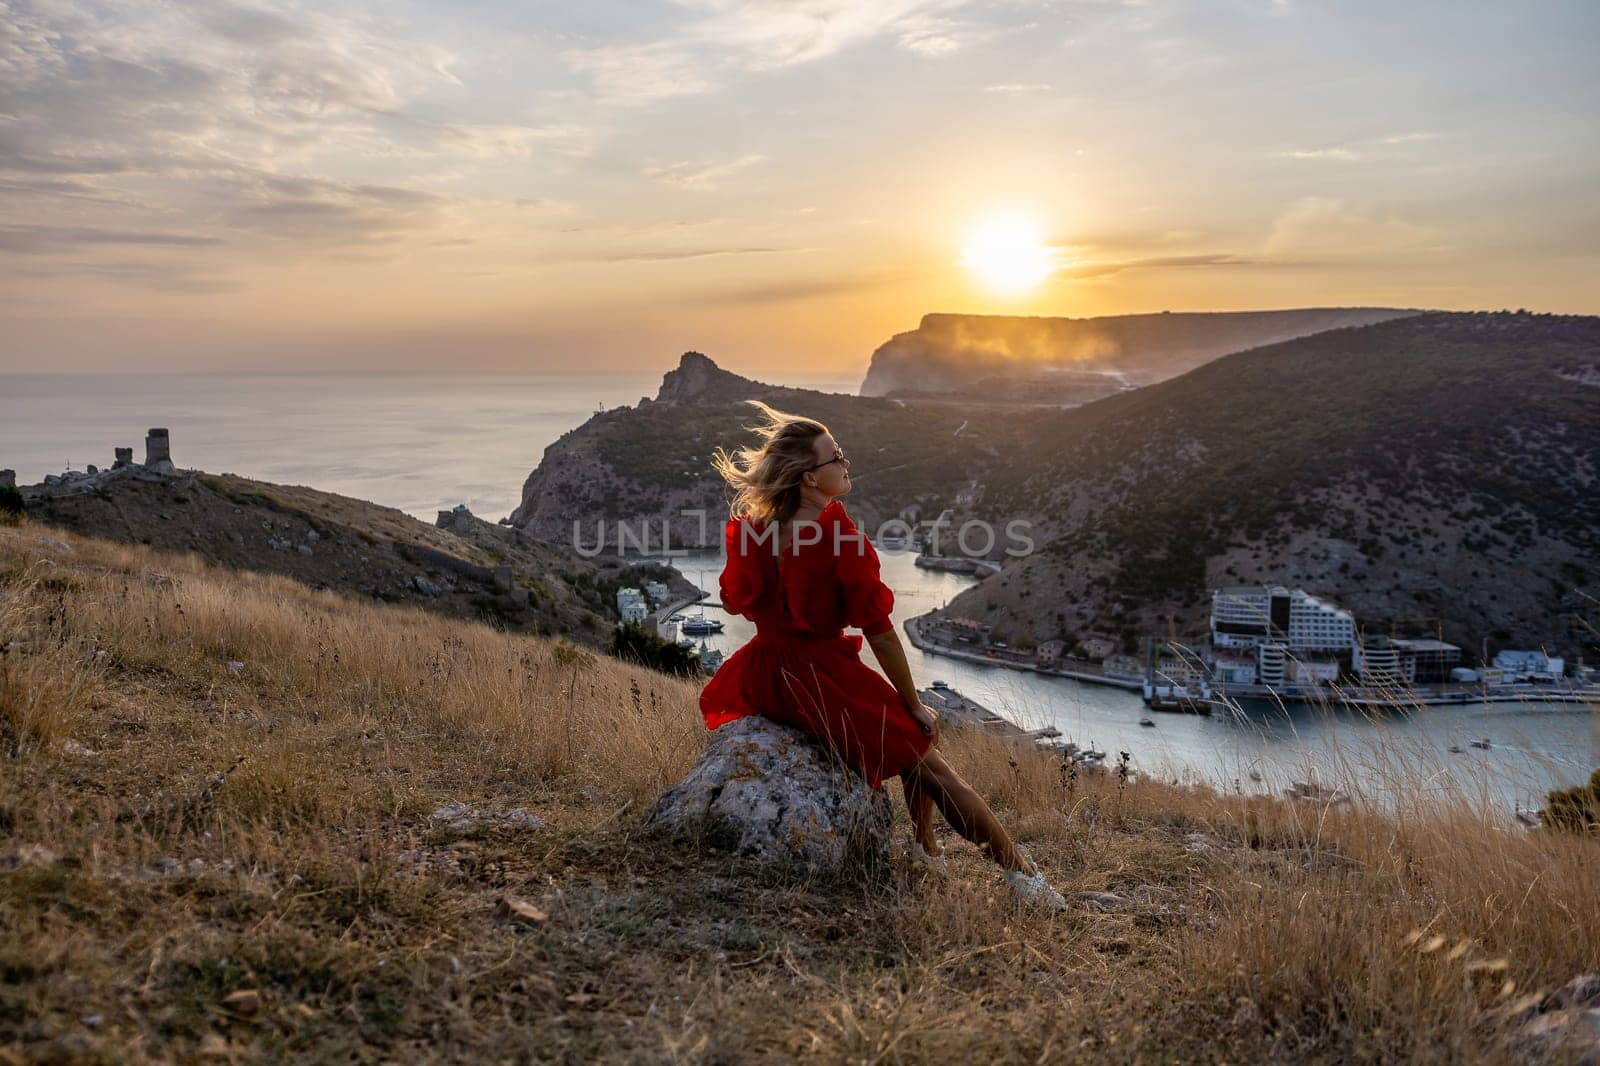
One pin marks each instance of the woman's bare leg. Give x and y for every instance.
(965, 810)
(920, 804)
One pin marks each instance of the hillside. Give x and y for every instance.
(645, 466)
(1434, 473)
(1076, 360)
(389, 835)
(328, 541)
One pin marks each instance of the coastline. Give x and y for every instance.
(921, 642)
(1345, 697)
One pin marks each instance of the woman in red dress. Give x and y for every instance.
(798, 567)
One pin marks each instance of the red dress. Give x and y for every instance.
(801, 669)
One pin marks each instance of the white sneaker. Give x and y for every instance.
(933, 863)
(1034, 891)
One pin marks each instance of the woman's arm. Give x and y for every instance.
(892, 658)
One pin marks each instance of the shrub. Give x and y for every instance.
(1574, 810)
(633, 643)
(11, 505)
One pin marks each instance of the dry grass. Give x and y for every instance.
(245, 867)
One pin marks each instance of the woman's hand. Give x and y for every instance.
(927, 719)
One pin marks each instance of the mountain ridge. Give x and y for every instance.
(954, 352)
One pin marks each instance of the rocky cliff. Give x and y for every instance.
(647, 469)
(1058, 359)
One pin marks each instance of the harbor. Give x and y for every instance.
(1255, 745)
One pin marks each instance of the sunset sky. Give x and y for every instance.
(782, 185)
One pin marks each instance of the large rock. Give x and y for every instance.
(771, 792)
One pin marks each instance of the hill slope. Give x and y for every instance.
(325, 540)
(1434, 472)
(1057, 360)
(649, 464)
(395, 836)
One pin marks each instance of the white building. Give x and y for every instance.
(1272, 667)
(631, 605)
(1313, 671)
(1252, 616)
(1234, 671)
(1377, 663)
(657, 591)
(1526, 664)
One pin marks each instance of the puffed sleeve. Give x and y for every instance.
(867, 600)
(743, 580)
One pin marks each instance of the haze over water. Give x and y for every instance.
(419, 442)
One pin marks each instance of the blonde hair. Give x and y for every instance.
(766, 479)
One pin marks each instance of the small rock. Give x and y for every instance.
(72, 747)
(1570, 1035)
(523, 818)
(521, 910)
(312, 536)
(93, 1021)
(168, 866)
(27, 854)
(456, 815)
(234, 666)
(244, 1001)
(426, 587)
(771, 792)
(1581, 991)
(305, 549)
(1102, 901)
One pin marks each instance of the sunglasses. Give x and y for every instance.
(838, 457)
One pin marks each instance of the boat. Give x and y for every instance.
(1482, 745)
(941, 685)
(1456, 749)
(1175, 697)
(1148, 723)
(700, 625)
(1528, 816)
(1255, 775)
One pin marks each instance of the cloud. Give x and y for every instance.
(779, 292)
(1208, 259)
(640, 74)
(250, 26)
(699, 176)
(1409, 138)
(487, 141)
(160, 277)
(46, 239)
(332, 214)
(1327, 228)
(742, 36)
(201, 113)
(1342, 154)
(690, 253)
(1018, 88)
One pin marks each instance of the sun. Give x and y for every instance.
(1007, 254)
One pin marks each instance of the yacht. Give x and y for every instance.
(699, 625)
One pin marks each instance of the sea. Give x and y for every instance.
(425, 443)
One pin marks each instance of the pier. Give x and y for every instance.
(921, 641)
(960, 711)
